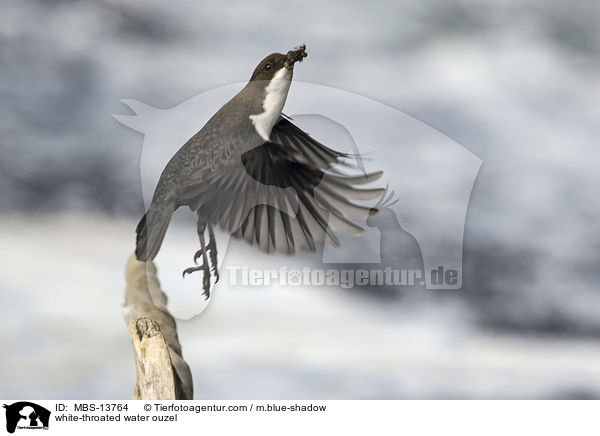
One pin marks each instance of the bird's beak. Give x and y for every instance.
(295, 55)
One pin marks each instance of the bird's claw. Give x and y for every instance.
(214, 269)
(209, 255)
(205, 277)
(194, 269)
(212, 251)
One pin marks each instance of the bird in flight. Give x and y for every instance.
(258, 176)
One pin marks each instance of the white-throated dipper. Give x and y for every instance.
(239, 169)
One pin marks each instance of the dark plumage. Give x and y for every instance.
(251, 171)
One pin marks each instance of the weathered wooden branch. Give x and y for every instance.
(161, 372)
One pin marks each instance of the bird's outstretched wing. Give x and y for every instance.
(285, 194)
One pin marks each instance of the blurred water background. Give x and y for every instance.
(515, 82)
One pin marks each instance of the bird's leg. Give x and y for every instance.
(212, 251)
(205, 267)
(200, 227)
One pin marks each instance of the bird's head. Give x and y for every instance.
(278, 65)
(382, 213)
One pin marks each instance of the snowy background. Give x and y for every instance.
(517, 83)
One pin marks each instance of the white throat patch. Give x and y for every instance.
(276, 93)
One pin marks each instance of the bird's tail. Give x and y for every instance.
(150, 233)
